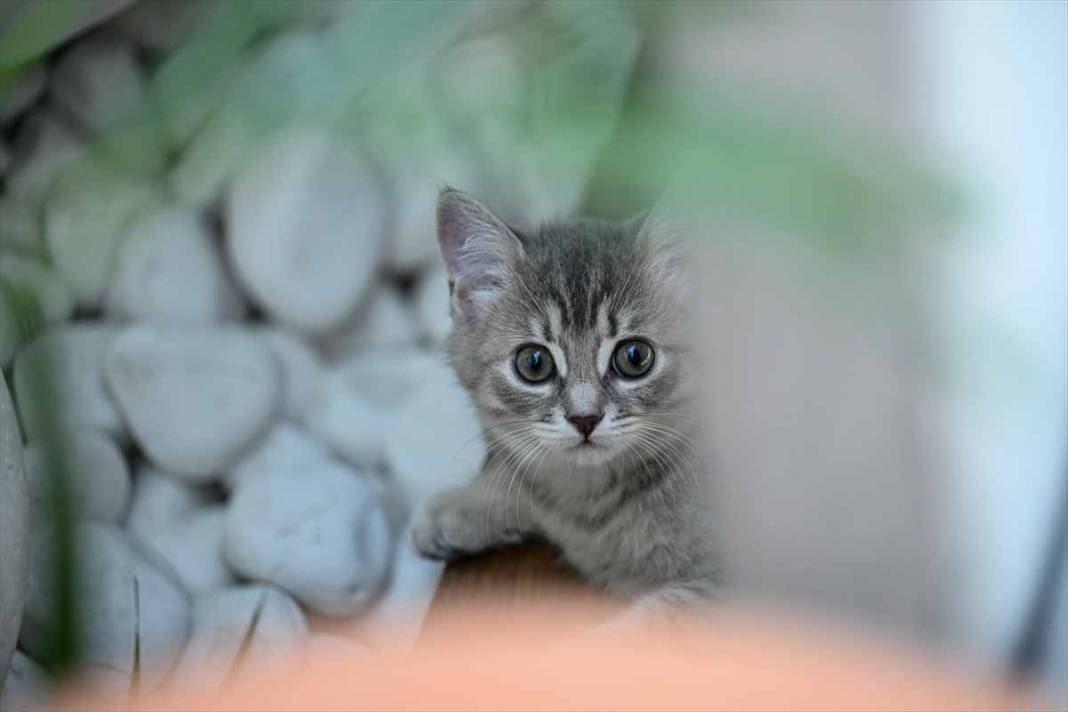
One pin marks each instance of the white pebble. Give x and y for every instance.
(237, 627)
(434, 442)
(160, 500)
(251, 110)
(305, 220)
(302, 372)
(86, 222)
(361, 396)
(286, 447)
(432, 306)
(59, 380)
(95, 470)
(194, 397)
(416, 175)
(319, 533)
(26, 688)
(397, 617)
(169, 269)
(127, 604)
(191, 546)
(387, 321)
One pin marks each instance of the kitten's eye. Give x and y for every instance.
(633, 359)
(534, 364)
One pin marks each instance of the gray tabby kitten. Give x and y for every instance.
(571, 341)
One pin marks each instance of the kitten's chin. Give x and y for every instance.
(587, 454)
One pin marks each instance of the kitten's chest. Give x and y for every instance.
(622, 534)
(593, 526)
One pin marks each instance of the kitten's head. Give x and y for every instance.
(570, 339)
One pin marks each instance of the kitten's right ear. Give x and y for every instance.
(479, 251)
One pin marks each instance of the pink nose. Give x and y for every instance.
(585, 424)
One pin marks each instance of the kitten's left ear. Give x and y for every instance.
(479, 251)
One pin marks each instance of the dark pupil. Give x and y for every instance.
(634, 355)
(535, 361)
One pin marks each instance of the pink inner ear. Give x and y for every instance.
(477, 247)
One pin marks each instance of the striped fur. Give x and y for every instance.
(628, 512)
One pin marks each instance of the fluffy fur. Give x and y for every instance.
(626, 507)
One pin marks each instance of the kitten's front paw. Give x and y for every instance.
(444, 532)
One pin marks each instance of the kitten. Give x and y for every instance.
(572, 343)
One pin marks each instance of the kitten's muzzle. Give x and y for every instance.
(585, 424)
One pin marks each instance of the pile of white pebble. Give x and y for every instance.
(242, 330)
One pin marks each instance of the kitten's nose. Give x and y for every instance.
(585, 424)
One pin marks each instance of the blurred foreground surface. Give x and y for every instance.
(547, 659)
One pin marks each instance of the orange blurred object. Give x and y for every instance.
(549, 659)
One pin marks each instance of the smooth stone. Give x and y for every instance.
(99, 83)
(253, 110)
(86, 222)
(302, 373)
(95, 470)
(286, 447)
(14, 535)
(26, 688)
(170, 269)
(305, 219)
(59, 381)
(397, 617)
(387, 320)
(419, 157)
(360, 398)
(194, 396)
(416, 180)
(320, 533)
(435, 441)
(159, 26)
(38, 286)
(21, 225)
(237, 627)
(160, 500)
(390, 322)
(191, 546)
(22, 92)
(45, 147)
(127, 604)
(432, 307)
(353, 427)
